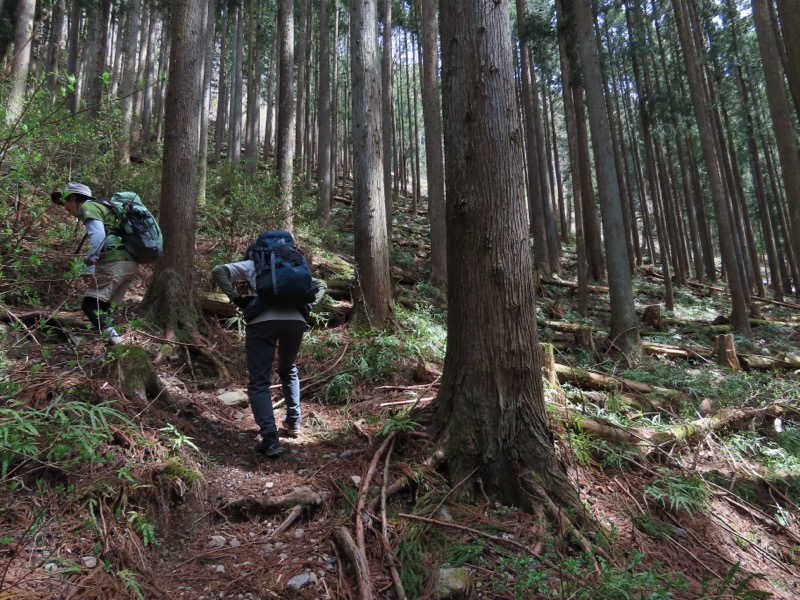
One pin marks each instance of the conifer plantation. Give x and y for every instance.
(559, 352)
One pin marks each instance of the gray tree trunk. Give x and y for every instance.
(235, 129)
(56, 43)
(220, 123)
(739, 314)
(624, 333)
(129, 83)
(374, 301)
(97, 60)
(324, 110)
(300, 74)
(387, 112)
(253, 91)
(21, 60)
(490, 407)
(284, 161)
(73, 41)
(783, 123)
(790, 25)
(205, 109)
(149, 76)
(434, 157)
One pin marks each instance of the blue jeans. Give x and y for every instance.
(262, 341)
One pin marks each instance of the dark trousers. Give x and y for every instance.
(263, 340)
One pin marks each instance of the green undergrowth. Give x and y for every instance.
(374, 357)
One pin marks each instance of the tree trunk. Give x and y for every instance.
(171, 299)
(72, 52)
(374, 302)
(790, 25)
(434, 159)
(739, 312)
(129, 83)
(237, 76)
(220, 123)
(97, 61)
(783, 123)
(21, 61)
(56, 44)
(535, 196)
(149, 77)
(300, 72)
(324, 110)
(205, 109)
(253, 90)
(387, 112)
(284, 159)
(571, 120)
(491, 403)
(624, 332)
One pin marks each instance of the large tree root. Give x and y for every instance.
(303, 496)
(345, 541)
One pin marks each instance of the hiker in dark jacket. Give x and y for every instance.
(110, 268)
(269, 329)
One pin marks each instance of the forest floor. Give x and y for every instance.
(178, 505)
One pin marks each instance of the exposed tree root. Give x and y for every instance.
(248, 505)
(342, 537)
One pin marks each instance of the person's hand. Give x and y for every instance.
(88, 278)
(242, 301)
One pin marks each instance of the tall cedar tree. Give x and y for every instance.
(171, 298)
(490, 408)
(374, 303)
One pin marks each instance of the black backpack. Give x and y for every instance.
(283, 277)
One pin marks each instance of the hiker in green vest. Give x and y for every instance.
(110, 268)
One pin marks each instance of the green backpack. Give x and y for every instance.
(138, 227)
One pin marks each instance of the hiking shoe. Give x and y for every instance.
(269, 446)
(111, 337)
(290, 428)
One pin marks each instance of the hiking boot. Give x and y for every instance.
(269, 446)
(290, 429)
(111, 337)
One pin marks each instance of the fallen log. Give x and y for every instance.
(595, 380)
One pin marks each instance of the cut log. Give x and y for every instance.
(725, 352)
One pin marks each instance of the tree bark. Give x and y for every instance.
(624, 332)
(374, 302)
(490, 408)
(434, 158)
(129, 83)
(205, 109)
(235, 129)
(21, 61)
(387, 112)
(171, 299)
(284, 159)
(324, 109)
(783, 123)
(790, 25)
(739, 312)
